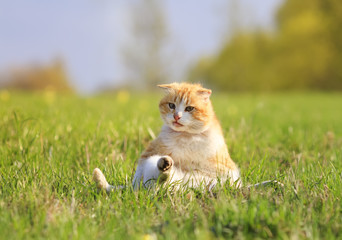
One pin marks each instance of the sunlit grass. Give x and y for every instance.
(50, 147)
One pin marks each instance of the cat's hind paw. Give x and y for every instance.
(165, 163)
(100, 179)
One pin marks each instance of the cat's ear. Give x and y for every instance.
(166, 87)
(204, 93)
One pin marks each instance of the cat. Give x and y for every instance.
(190, 148)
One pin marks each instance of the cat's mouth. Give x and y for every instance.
(177, 124)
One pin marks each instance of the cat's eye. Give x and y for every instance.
(189, 109)
(172, 105)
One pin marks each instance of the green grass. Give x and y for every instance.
(50, 145)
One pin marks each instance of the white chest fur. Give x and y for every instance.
(191, 149)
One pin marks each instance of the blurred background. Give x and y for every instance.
(88, 46)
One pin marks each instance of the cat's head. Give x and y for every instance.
(186, 107)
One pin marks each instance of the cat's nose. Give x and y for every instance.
(177, 115)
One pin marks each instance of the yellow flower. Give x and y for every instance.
(5, 95)
(149, 237)
(123, 96)
(49, 96)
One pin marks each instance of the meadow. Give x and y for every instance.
(51, 143)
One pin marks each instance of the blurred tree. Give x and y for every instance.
(145, 56)
(304, 53)
(51, 77)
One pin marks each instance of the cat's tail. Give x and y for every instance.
(266, 183)
(101, 182)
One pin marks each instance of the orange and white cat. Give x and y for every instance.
(190, 149)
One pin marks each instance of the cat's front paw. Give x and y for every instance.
(165, 163)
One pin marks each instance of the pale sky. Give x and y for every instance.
(89, 34)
